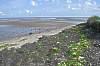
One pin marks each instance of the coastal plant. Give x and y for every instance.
(71, 63)
(94, 23)
(54, 50)
(76, 49)
(3, 46)
(64, 33)
(62, 36)
(39, 44)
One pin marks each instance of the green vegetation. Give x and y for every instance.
(76, 49)
(94, 23)
(54, 50)
(3, 46)
(39, 44)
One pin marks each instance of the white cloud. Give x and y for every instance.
(33, 3)
(69, 1)
(94, 3)
(91, 5)
(2, 13)
(85, 5)
(28, 11)
(69, 6)
(75, 8)
(88, 3)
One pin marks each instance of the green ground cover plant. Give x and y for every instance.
(76, 49)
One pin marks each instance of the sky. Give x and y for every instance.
(52, 8)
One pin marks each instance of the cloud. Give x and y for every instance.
(28, 11)
(2, 13)
(75, 8)
(90, 3)
(69, 1)
(33, 3)
(31, 12)
(69, 6)
(85, 5)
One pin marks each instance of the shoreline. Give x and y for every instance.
(20, 41)
(20, 28)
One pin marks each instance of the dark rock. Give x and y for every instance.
(30, 33)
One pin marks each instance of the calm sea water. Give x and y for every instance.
(73, 19)
(10, 31)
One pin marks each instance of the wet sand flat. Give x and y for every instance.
(16, 28)
(36, 23)
(19, 41)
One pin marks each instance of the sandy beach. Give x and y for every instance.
(18, 42)
(31, 38)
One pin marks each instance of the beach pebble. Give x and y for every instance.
(66, 36)
(80, 57)
(58, 42)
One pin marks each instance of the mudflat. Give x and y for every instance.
(19, 41)
(35, 23)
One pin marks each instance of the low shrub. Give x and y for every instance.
(94, 23)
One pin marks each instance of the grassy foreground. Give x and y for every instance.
(68, 48)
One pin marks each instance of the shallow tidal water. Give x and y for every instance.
(10, 31)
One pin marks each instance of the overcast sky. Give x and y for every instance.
(29, 8)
